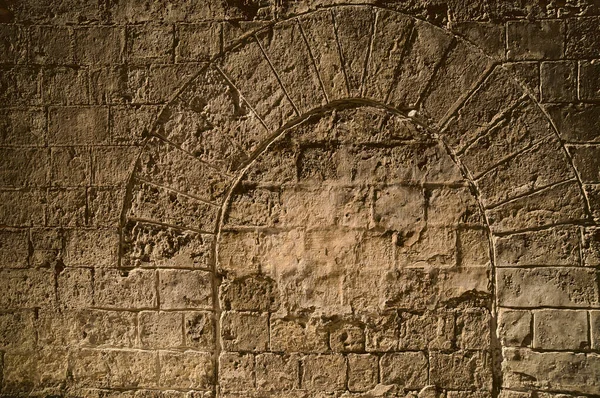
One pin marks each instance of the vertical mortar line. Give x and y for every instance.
(405, 49)
(175, 34)
(264, 53)
(506, 41)
(581, 237)
(589, 329)
(539, 71)
(579, 80)
(314, 61)
(340, 53)
(375, 15)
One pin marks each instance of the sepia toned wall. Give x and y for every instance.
(300, 199)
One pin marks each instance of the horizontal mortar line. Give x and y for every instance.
(496, 121)
(188, 195)
(242, 97)
(545, 227)
(547, 266)
(531, 193)
(513, 155)
(167, 225)
(152, 309)
(191, 155)
(590, 144)
(158, 268)
(547, 307)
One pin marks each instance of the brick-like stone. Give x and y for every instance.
(22, 208)
(21, 86)
(17, 330)
(22, 126)
(406, 369)
(243, 331)
(560, 330)
(14, 248)
(65, 85)
(128, 125)
(51, 45)
(236, 371)
(473, 329)
(577, 122)
(407, 211)
(13, 45)
(277, 372)
(160, 329)
(91, 248)
(186, 370)
(589, 80)
(325, 372)
(27, 369)
(78, 125)
(586, 162)
(185, 289)
(20, 167)
(559, 81)
(199, 330)
(425, 331)
(363, 372)
(105, 206)
(523, 368)
(66, 207)
(466, 370)
(26, 288)
(557, 246)
(298, 335)
(74, 288)
(129, 290)
(150, 43)
(515, 328)
(252, 293)
(548, 286)
(489, 36)
(99, 45)
(583, 37)
(197, 42)
(70, 166)
(590, 246)
(112, 165)
(528, 74)
(535, 40)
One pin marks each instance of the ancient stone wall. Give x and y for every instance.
(300, 199)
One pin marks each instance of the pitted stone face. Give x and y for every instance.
(354, 241)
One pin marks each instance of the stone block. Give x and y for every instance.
(363, 372)
(91, 247)
(96, 45)
(21, 86)
(321, 38)
(593, 194)
(405, 369)
(128, 125)
(586, 160)
(27, 288)
(473, 329)
(326, 372)
(347, 336)
(561, 203)
(47, 246)
(595, 329)
(583, 37)
(452, 206)
(399, 208)
(50, 45)
(66, 207)
(382, 332)
(559, 81)
(560, 330)
(535, 40)
(186, 370)
(547, 286)
(17, 330)
(286, 49)
(160, 329)
(74, 288)
(488, 36)
(473, 247)
(576, 122)
(590, 246)
(527, 369)
(105, 206)
(528, 74)
(243, 331)
(589, 80)
(427, 331)
(22, 208)
(185, 289)
(133, 289)
(112, 166)
(251, 293)
(78, 126)
(275, 372)
(236, 371)
(23, 167)
(149, 43)
(515, 328)
(13, 43)
(250, 206)
(114, 368)
(197, 42)
(290, 334)
(237, 253)
(14, 248)
(22, 126)
(70, 166)
(555, 247)
(65, 85)
(25, 370)
(199, 330)
(461, 370)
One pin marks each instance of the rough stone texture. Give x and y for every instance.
(299, 199)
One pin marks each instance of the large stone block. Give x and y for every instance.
(277, 372)
(298, 335)
(74, 288)
(160, 329)
(236, 371)
(50, 45)
(583, 38)
(558, 371)
(515, 328)
(91, 247)
(199, 330)
(325, 372)
(252, 293)
(560, 330)
(21, 86)
(65, 85)
(150, 43)
(22, 208)
(185, 289)
(468, 370)
(576, 122)
(197, 42)
(78, 125)
(589, 80)
(17, 330)
(22, 126)
(27, 288)
(242, 331)
(547, 286)
(186, 370)
(99, 45)
(559, 81)
(14, 248)
(363, 372)
(25, 370)
(535, 40)
(427, 331)
(586, 162)
(70, 166)
(135, 289)
(14, 43)
(405, 369)
(20, 167)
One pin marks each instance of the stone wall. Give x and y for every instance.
(300, 198)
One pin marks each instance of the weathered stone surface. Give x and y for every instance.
(363, 372)
(199, 330)
(326, 372)
(429, 330)
(557, 287)
(26, 288)
(131, 289)
(590, 246)
(185, 289)
(473, 329)
(524, 368)
(51, 45)
(237, 371)
(65, 85)
(186, 370)
(515, 328)
(461, 370)
(277, 372)
(197, 42)
(535, 40)
(23, 167)
(585, 162)
(558, 81)
(150, 43)
(242, 331)
(488, 36)
(405, 369)
(99, 45)
(160, 329)
(91, 248)
(583, 38)
(74, 288)
(527, 73)
(22, 126)
(14, 248)
(576, 123)
(78, 125)
(560, 330)
(249, 294)
(17, 330)
(557, 246)
(589, 80)
(298, 335)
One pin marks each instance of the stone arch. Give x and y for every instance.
(225, 117)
